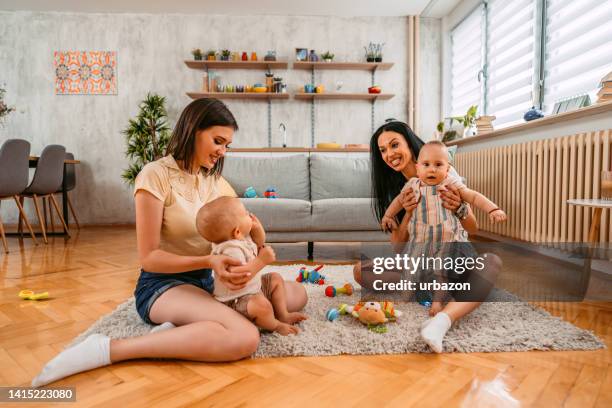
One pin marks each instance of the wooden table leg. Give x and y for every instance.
(594, 231)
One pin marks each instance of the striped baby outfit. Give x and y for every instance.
(430, 221)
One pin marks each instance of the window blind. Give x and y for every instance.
(510, 59)
(466, 62)
(578, 48)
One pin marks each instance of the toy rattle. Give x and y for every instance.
(27, 294)
(270, 193)
(347, 289)
(333, 313)
(312, 276)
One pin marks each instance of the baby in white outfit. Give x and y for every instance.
(236, 233)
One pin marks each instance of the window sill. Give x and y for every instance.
(595, 109)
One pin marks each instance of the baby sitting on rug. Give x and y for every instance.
(235, 232)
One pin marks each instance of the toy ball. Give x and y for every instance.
(250, 192)
(332, 314)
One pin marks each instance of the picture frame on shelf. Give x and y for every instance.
(301, 54)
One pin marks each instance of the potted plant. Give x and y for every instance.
(468, 121)
(374, 52)
(378, 52)
(197, 54)
(225, 55)
(146, 136)
(327, 56)
(4, 108)
(211, 55)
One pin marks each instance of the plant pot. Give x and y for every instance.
(328, 60)
(378, 59)
(211, 57)
(470, 131)
(370, 59)
(197, 57)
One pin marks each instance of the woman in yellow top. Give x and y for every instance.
(176, 282)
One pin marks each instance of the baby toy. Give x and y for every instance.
(424, 298)
(312, 276)
(333, 313)
(27, 294)
(271, 193)
(347, 289)
(250, 192)
(373, 314)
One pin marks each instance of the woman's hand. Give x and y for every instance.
(234, 279)
(409, 199)
(451, 200)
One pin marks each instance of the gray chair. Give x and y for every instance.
(70, 181)
(47, 181)
(14, 172)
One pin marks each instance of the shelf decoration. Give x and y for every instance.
(85, 72)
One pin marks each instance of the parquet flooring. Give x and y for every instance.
(94, 271)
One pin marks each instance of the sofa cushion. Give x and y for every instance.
(280, 214)
(287, 174)
(343, 214)
(339, 177)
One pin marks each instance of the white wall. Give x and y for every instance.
(150, 53)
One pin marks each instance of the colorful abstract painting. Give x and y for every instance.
(85, 72)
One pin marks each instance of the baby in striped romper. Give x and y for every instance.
(430, 222)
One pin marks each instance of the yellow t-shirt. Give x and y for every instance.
(183, 195)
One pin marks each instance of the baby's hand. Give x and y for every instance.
(388, 224)
(267, 255)
(498, 216)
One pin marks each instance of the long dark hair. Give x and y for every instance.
(200, 114)
(386, 182)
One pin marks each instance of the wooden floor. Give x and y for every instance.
(91, 273)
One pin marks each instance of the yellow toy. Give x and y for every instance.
(27, 294)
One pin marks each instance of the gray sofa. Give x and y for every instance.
(322, 197)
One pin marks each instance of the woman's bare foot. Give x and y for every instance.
(435, 308)
(286, 329)
(293, 317)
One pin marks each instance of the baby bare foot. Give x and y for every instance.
(292, 318)
(286, 329)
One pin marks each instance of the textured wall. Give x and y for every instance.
(150, 52)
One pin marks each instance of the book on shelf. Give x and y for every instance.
(605, 91)
(484, 124)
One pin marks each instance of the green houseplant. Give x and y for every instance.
(468, 121)
(327, 56)
(146, 136)
(197, 54)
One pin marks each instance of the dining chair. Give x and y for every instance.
(70, 183)
(47, 181)
(14, 173)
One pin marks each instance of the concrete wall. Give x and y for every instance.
(150, 52)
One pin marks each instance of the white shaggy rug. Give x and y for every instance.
(510, 325)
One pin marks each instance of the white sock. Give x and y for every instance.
(162, 327)
(434, 330)
(93, 352)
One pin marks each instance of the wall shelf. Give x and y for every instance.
(265, 65)
(343, 96)
(263, 96)
(364, 66)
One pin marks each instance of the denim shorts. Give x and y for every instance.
(151, 285)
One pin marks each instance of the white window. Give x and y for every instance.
(578, 48)
(466, 63)
(510, 59)
(505, 71)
